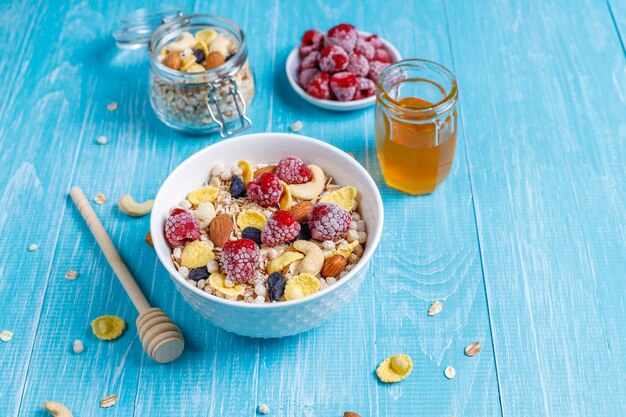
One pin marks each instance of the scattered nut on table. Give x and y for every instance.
(57, 409)
(128, 205)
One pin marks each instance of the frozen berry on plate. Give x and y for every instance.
(328, 221)
(343, 35)
(240, 258)
(382, 55)
(358, 65)
(281, 227)
(309, 61)
(292, 170)
(365, 48)
(376, 67)
(252, 233)
(343, 85)
(306, 76)
(332, 59)
(319, 87)
(180, 227)
(312, 40)
(365, 87)
(375, 41)
(276, 285)
(265, 189)
(237, 187)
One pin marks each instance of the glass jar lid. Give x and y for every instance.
(136, 28)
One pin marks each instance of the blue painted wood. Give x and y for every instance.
(524, 242)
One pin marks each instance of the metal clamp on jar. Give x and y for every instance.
(200, 77)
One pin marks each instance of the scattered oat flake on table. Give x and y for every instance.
(473, 349)
(109, 401)
(264, 409)
(78, 346)
(100, 198)
(102, 140)
(435, 308)
(297, 126)
(112, 106)
(33, 247)
(71, 275)
(6, 335)
(449, 372)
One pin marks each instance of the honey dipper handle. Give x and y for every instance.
(113, 257)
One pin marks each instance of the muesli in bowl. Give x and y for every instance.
(266, 232)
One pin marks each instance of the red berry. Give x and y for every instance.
(240, 258)
(306, 76)
(181, 227)
(343, 85)
(328, 221)
(333, 59)
(311, 41)
(343, 35)
(376, 67)
(309, 61)
(292, 170)
(265, 189)
(282, 227)
(358, 65)
(382, 55)
(319, 87)
(365, 87)
(365, 48)
(375, 41)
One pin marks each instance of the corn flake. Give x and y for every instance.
(287, 258)
(286, 200)
(108, 327)
(197, 254)
(216, 281)
(251, 218)
(207, 36)
(301, 286)
(203, 194)
(247, 172)
(188, 62)
(203, 47)
(395, 368)
(343, 197)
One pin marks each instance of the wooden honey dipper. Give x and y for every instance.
(161, 339)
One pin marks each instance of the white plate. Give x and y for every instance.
(291, 67)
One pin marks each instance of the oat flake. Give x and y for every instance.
(112, 106)
(449, 372)
(78, 346)
(264, 409)
(102, 140)
(6, 335)
(473, 349)
(100, 198)
(109, 401)
(71, 275)
(33, 247)
(435, 308)
(297, 126)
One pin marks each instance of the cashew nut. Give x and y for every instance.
(313, 260)
(223, 44)
(205, 213)
(57, 409)
(184, 41)
(310, 190)
(129, 206)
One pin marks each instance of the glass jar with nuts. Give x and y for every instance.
(200, 77)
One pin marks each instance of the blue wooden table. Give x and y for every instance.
(524, 243)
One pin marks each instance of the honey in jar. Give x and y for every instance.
(416, 125)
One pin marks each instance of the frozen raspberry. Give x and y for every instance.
(343, 35)
(332, 59)
(292, 170)
(180, 227)
(382, 55)
(376, 67)
(309, 61)
(311, 41)
(343, 85)
(365, 87)
(240, 258)
(265, 189)
(282, 227)
(358, 65)
(319, 87)
(375, 41)
(365, 48)
(328, 221)
(306, 76)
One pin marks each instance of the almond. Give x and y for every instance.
(269, 168)
(349, 414)
(149, 239)
(301, 211)
(173, 61)
(220, 229)
(333, 266)
(214, 60)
